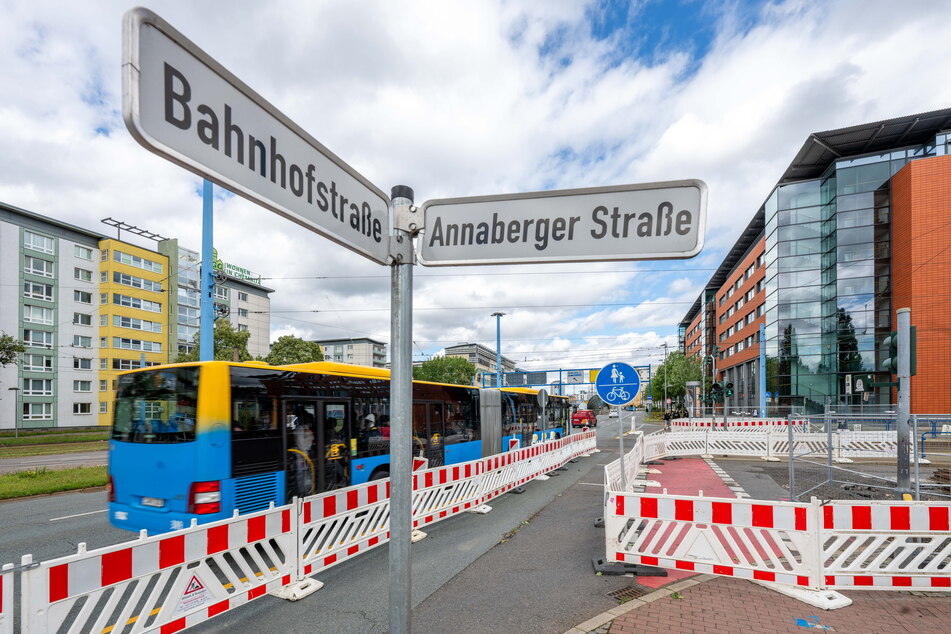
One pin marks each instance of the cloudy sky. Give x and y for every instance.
(465, 98)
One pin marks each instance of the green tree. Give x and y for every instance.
(674, 373)
(455, 370)
(595, 403)
(227, 340)
(10, 349)
(290, 349)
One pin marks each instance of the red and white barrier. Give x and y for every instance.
(887, 545)
(765, 541)
(757, 424)
(163, 583)
(173, 581)
(811, 547)
(6, 599)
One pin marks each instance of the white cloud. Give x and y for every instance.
(453, 98)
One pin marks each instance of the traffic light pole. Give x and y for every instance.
(904, 400)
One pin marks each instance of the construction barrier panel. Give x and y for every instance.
(816, 546)
(173, 581)
(759, 424)
(6, 599)
(163, 583)
(887, 545)
(765, 541)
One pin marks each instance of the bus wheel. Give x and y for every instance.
(380, 473)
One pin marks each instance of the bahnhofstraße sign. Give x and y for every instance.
(649, 221)
(183, 105)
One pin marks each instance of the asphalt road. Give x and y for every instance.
(524, 567)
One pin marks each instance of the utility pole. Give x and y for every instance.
(498, 348)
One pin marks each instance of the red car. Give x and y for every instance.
(584, 418)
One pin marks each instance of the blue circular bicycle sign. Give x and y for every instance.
(617, 384)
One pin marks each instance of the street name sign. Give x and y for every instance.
(617, 384)
(648, 221)
(181, 104)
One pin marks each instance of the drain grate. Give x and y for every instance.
(631, 592)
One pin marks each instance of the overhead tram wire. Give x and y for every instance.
(486, 274)
(509, 306)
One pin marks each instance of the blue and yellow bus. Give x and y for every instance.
(201, 440)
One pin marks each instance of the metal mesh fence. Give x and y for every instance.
(816, 468)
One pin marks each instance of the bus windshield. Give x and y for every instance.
(156, 406)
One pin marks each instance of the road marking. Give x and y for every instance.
(591, 484)
(67, 517)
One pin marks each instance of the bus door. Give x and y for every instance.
(334, 444)
(428, 432)
(300, 421)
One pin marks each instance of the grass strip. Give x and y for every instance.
(41, 480)
(51, 439)
(54, 431)
(49, 450)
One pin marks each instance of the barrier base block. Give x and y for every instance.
(417, 536)
(482, 509)
(822, 599)
(599, 522)
(769, 458)
(617, 568)
(843, 460)
(298, 590)
(543, 477)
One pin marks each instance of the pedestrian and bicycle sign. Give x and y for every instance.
(617, 384)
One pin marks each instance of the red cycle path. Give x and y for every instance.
(686, 476)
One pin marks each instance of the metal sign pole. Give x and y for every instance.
(206, 325)
(620, 436)
(401, 424)
(904, 400)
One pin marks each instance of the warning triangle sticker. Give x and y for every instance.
(195, 596)
(194, 586)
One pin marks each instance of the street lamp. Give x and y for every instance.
(498, 348)
(16, 427)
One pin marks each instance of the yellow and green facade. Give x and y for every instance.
(134, 326)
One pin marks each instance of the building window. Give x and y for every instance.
(37, 266)
(136, 282)
(221, 292)
(37, 411)
(34, 290)
(104, 255)
(133, 323)
(103, 320)
(242, 312)
(123, 343)
(82, 408)
(103, 385)
(82, 386)
(242, 297)
(82, 275)
(82, 342)
(103, 407)
(37, 363)
(136, 302)
(37, 315)
(37, 338)
(37, 387)
(136, 261)
(83, 253)
(82, 319)
(82, 363)
(82, 297)
(37, 242)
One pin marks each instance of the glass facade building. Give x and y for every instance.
(827, 236)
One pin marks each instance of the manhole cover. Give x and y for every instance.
(630, 592)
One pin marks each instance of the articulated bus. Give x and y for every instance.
(202, 440)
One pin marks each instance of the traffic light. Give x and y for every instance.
(889, 348)
(728, 389)
(716, 391)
